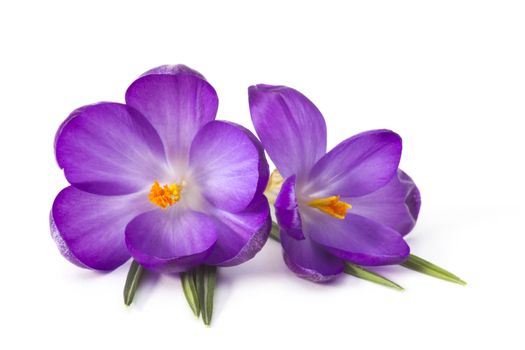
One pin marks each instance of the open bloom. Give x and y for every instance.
(350, 204)
(160, 180)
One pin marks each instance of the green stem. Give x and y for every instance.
(274, 232)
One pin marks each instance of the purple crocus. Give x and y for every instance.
(158, 179)
(350, 204)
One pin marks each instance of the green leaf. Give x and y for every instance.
(361, 272)
(210, 278)
(274, 232)
(205, 278)
(132, 282)
(199, 283)
(190, 291)
(423, 266)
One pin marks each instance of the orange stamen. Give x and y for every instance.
(332, 206)
(164, 196)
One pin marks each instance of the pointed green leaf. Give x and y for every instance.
(274, 233)
(190, 291)
(199, 284)
(423, 266)
(210, 278)
(361, 272)
(199, 279)
(132, 281)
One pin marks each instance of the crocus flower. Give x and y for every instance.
(160, 180)
(350, 204)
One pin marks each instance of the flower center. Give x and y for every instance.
(332, 206)
(164, 196)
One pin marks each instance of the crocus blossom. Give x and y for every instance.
(160, 180)
(350, 204)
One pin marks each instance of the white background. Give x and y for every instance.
(449, 76)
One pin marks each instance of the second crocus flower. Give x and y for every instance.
(350, 204)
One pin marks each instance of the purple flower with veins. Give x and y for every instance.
(350, 204)
(159, 179)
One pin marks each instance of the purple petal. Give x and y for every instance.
(89, 228)
(395, 205)
(287, 210)
(171, 240)
(356, 239)
(241, 235)
(109, 149)
(291, 128)
(264, 168)
(228, 165)
(177, 101)
(357, 166)
(309, 260)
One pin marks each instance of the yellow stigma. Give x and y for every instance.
(331, 206)
(164, 196)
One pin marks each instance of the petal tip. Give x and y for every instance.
(62, 246)
(266, 88)
(310, 274)
(173, 69)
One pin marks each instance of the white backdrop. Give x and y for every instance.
(448, 76)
